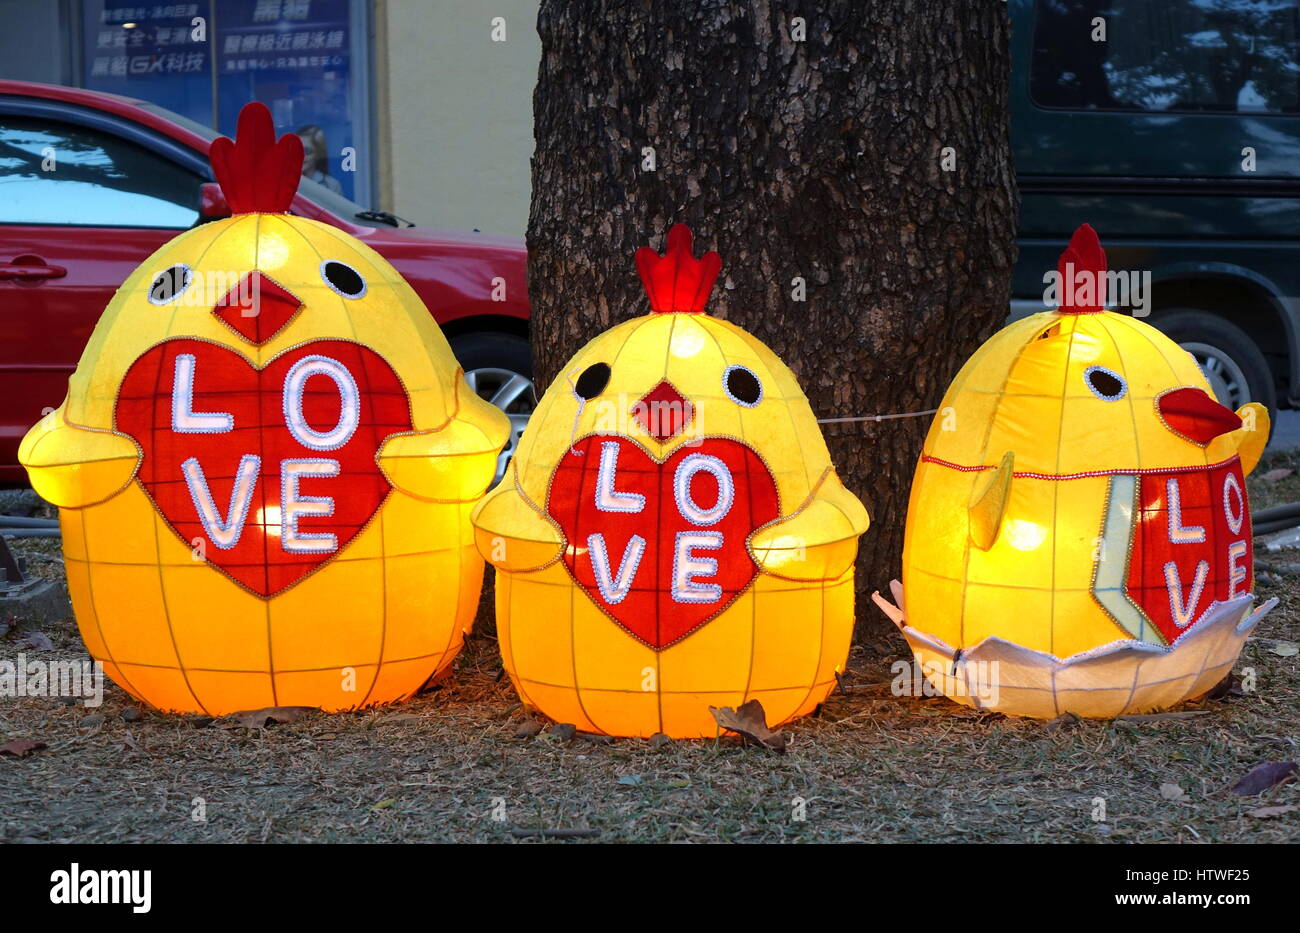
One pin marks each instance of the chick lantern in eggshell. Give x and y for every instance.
(265, 464)
(1079, 535)
(671, 533)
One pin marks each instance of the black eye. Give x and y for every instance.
(169, 284)
(343, 278)
(742, 386)
(1106, 384)
(592, 382)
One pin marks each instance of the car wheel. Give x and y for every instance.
(499, 369)
(1231, 361)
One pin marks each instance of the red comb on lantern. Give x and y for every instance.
(258, 174)
(677, 281)
(1084, 254)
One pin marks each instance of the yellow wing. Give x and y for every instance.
(73, 467)
(454, 462)
(1252, 435)
(513, 533)
(817, 541)
(990, 502)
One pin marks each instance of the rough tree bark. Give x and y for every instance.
(821, 159)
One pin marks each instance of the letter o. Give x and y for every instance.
(295, 383)
(686, 504)
(1234, 521)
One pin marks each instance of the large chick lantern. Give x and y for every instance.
(265, 464)
(1079, 537)
(671, 533)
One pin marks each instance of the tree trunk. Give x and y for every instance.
(821, 159)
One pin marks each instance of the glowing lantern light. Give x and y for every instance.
(671, 533)
(1078, 538)
(266, 462)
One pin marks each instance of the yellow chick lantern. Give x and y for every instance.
(1079, 538)
(671, 534)
(265, 464)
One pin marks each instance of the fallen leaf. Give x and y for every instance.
(385, 804)
(660, 742)
(1264, 813)
(21, 748)
(1171, 792)
(129, 741)
(1285, 649)
(749, 721)
(528, 728)
(507, 712)
(38, 640)
(563, 731)
(1064, 722)
(1272, 476)
(261, 718)
(1261, 777)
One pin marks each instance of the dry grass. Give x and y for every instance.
(871, 767)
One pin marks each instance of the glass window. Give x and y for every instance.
(314, 191)
(205, 59)
(60, 173)
(1210, 56)
(297, 57)
(161, 53)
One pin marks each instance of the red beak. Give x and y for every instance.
(1192, 414)
(257, 308)
(663, 412)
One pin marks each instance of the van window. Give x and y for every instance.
(1208, 56)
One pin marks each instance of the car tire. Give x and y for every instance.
(499, 369)
(1230, 359)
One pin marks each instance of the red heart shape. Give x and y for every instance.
(1191, 545)
(624, 513)
(195, 449)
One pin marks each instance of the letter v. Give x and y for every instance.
(614, 590)
(1184, 612)
(223, 533)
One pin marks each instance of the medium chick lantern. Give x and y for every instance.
(265, 464)
(1079, 536)
(671, 533)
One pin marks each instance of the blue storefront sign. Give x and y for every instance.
(294, 55)
(205, 59)
(151, 52)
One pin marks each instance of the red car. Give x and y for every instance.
(91, 184)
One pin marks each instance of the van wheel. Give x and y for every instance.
(1232, 362)
(499, 369)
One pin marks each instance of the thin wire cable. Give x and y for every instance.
(901, 414)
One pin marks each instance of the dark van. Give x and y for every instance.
(1173, 127)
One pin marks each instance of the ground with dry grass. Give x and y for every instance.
(455, 764)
